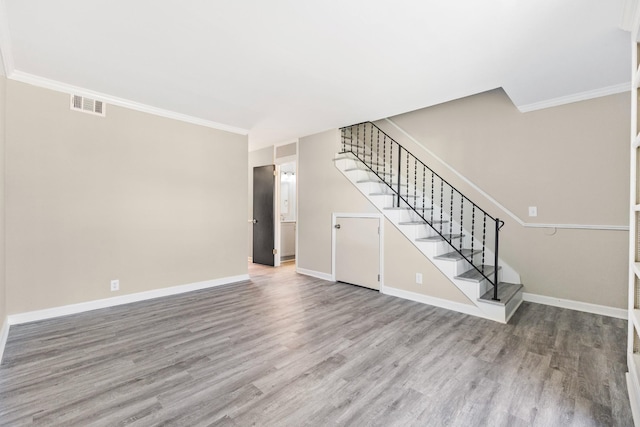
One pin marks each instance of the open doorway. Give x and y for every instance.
(288, 213)
(277, 198)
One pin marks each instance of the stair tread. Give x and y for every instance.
(422, 222)
(455, 256)
(406, 208)
(506, 291)
(439, 238)
(365, 169)
(473, 275)
(348, 155)
(362, 181)
(411, 196)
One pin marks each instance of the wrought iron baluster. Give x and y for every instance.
(473, 224)
(432, 201)
(441, 202)
(495, 264)
(399, 172)
(351, 140)
(415, 184)
(462, 222)
(424, 178)
(484, 239)
(364, 142)
(451, 213)
(357, 140)
(378, 153)
(407, 154)
(384, 154)
(371, 146)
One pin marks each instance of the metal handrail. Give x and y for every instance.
(348, 133)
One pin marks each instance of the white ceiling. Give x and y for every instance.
(282, 69)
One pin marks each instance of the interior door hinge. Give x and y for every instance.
(378, 277)
(275, 251)
(274, 173)
(378, 231)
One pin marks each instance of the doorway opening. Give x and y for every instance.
(287, 211)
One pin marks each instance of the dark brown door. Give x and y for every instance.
(263, 225)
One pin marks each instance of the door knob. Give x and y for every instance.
(255, 221)
(337, 226)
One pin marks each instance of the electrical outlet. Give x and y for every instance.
(115, 285)
(419, 278)
(533, 211)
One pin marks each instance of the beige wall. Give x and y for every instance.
(570, 161)
(323, 190)
(147, 200)
(260, 157)
(3, 293)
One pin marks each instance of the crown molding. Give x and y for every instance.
(5, 41)
(576, 97)
(121, 102)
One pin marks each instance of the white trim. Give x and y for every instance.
(498, 204)
(380, 219)
(586, 307)
(437, 302)
(633, 388)
(276, 212)
(4, 334)
(133, 105)
(578, 226)
(576, 97)
(316, 274)
(49, 313)
(5, 41)
(297, 198)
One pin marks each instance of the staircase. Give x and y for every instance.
(460, 238)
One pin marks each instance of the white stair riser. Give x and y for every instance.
(432, 249)
(414, 231)
(457, 267)
(401, 215)
(382, 200)
(470, 289)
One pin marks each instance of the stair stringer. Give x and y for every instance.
(366, 182)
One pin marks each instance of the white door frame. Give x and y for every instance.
(380, 217)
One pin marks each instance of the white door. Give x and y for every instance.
(358, 251)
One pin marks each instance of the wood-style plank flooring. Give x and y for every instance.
(289, 350)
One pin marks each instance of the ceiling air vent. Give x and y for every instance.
(87, 105)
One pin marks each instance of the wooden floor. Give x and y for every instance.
(288, 350)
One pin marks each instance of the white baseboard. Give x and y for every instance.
(316, 274)
(634, 393)
(437, 302)
(4, 334)
(603, 310)
(65, 310)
